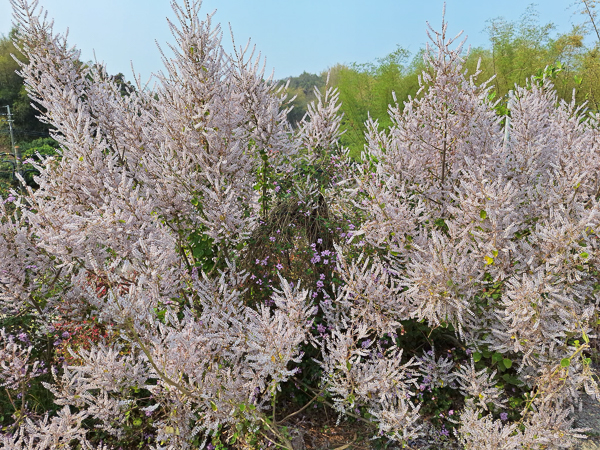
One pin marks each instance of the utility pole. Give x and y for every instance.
(12, 143)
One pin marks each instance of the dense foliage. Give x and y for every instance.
(189, 262)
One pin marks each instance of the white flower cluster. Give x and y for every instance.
(496, 237)
(479, 223)
(16, 369)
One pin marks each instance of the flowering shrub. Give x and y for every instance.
(193, 256)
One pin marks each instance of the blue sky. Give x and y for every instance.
(294, 35)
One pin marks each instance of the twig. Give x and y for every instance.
(347, 413)
(273, 442)
(345, 446)
(301, 409)
(585, 2)
(164, 377)
(276, 433)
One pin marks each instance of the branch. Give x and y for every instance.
(301, 409)
(164, 377)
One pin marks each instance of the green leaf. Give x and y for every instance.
(243, 407)
(507, 363)
(488, 260)
(584, 255)
(476, 356)
(441, 224)
(510, 379)
(497, 357)
(350, 399)
(586, 338)
(482, 214)
(565, 362)
(213, 405)
(137, 422)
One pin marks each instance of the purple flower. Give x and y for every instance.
(279, 266)
(272, 238)
(322, 276)
(321, 328)
(66, 335)
(148, 413)
(22, 337)
(504, 416)
(366, 343)
(320, 284)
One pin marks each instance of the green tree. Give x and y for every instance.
(522, 49)
(302, 87)
(13, 93)
(368, 90)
